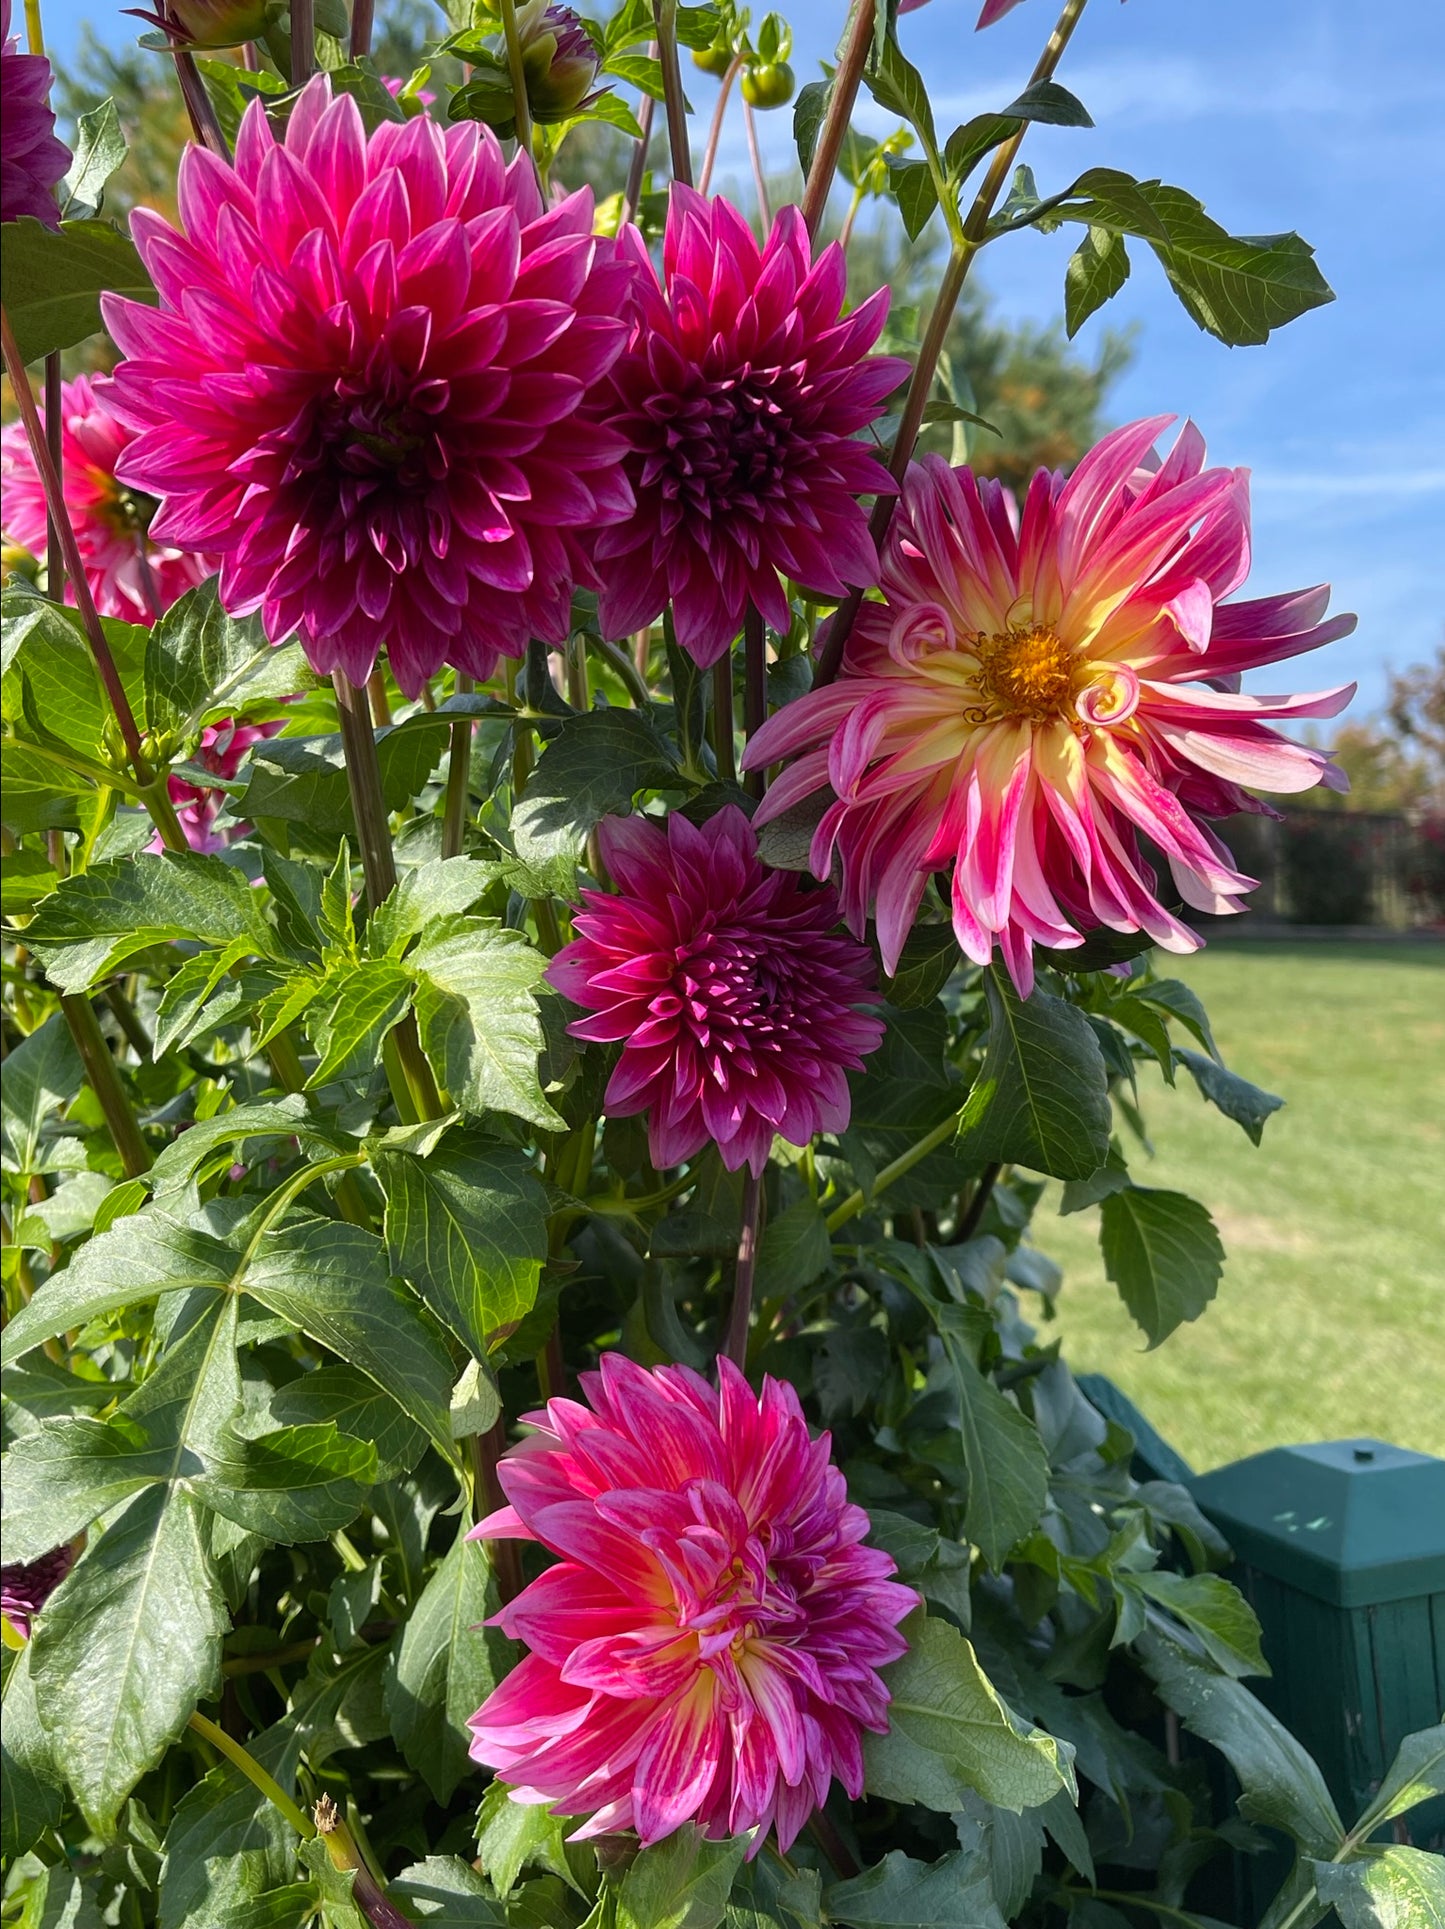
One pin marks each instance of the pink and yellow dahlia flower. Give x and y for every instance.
(1034, 693)
(740, 398)
(130, 576)
(222, 750)
(735, 999)
(363, 387)
(708, 1643)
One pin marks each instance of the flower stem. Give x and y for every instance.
(362, 12)
(673, 97)
(303, 40)
(760, 179)
(366, 1892)
(970, 238)
(152, 789)
(504, 1555)
(637, 168)
(905, 1162)
(55, 441)
(521, 106)
(34, 34)
(373, 834)
(722, 720)
(719, 114)
(973, 1212)
(104, 1077)
(755, 687)
(459, 760)
(841, 100)
(623, 667)
(205, 124)
(243, 1759)
(735, 1344)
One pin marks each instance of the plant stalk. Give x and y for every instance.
(722, 720)
(673, 97)
(905, 1162)
(735, 1343)
(505, 1555)
(623, 667)
(55, 441)
(755, 687)
(522, 107)
(970, 239)
(303, 41)
(973, 1213)
(719, 115)
(760, 179)
(243, 1759)
(459, 759)
(637, 167)
(841, 102)
(103, 1075)
(152, 789)
(362, 13)
(366, 1892)
(205, 124)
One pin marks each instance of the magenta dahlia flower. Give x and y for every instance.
(739, 397)
(709, 1641)
(735, 999)
(362, 388)
(130, 576)
(32, 158)
(1029, 697)
(25, 1586)
(222, 750)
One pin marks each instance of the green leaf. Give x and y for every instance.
(594, 765)
(1246, 1104)
(221, 1822)
(512, 1836)
(1041, 1098)
(794, 1249)
(127, 1646)
(446, 1665)
(293, 1116)
(899, 1893)
(1215, 1610)
(1237, 287)
(362, 1004)
(333, 1281)
(899, 88)
(65, 1473)
(351, 1402)
(950, 1731)
(929, 959)
(42, 1073)
(292, 1484)
(30, 1783)
(1046, 101)
(441, 888)
(1173, 996)
(1162, 1252)
(765, 1896)
(52, 691)
(478, 1015)
(446, 1893)
(302, 780)
(1008, 1468)
(1097, 270)
(467, 1225)
(1417, 1773)
(196, 659)
(616, 113)
(1283, 1787)
(681, 1882)
(697, 26)
(1112, 1176)
(96, 921)
(967, 145)
(810, 110)
(1394, 1888)
(182, 1009)
(99, 150)
(917, 197)
(54, 279)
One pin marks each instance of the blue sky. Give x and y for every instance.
(1327, 116)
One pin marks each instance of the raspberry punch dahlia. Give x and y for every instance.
(736, 1000)
(708, 1643)
(129, 575)
(1033, 693)
(33, 159)
(363, 387)
(740, 397)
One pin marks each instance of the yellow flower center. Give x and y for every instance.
(1025, 673)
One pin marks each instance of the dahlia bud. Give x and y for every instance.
(559, 58)
(211, 23)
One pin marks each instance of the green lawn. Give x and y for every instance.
(1330, 1319)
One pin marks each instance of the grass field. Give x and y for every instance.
(1330, 1320)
